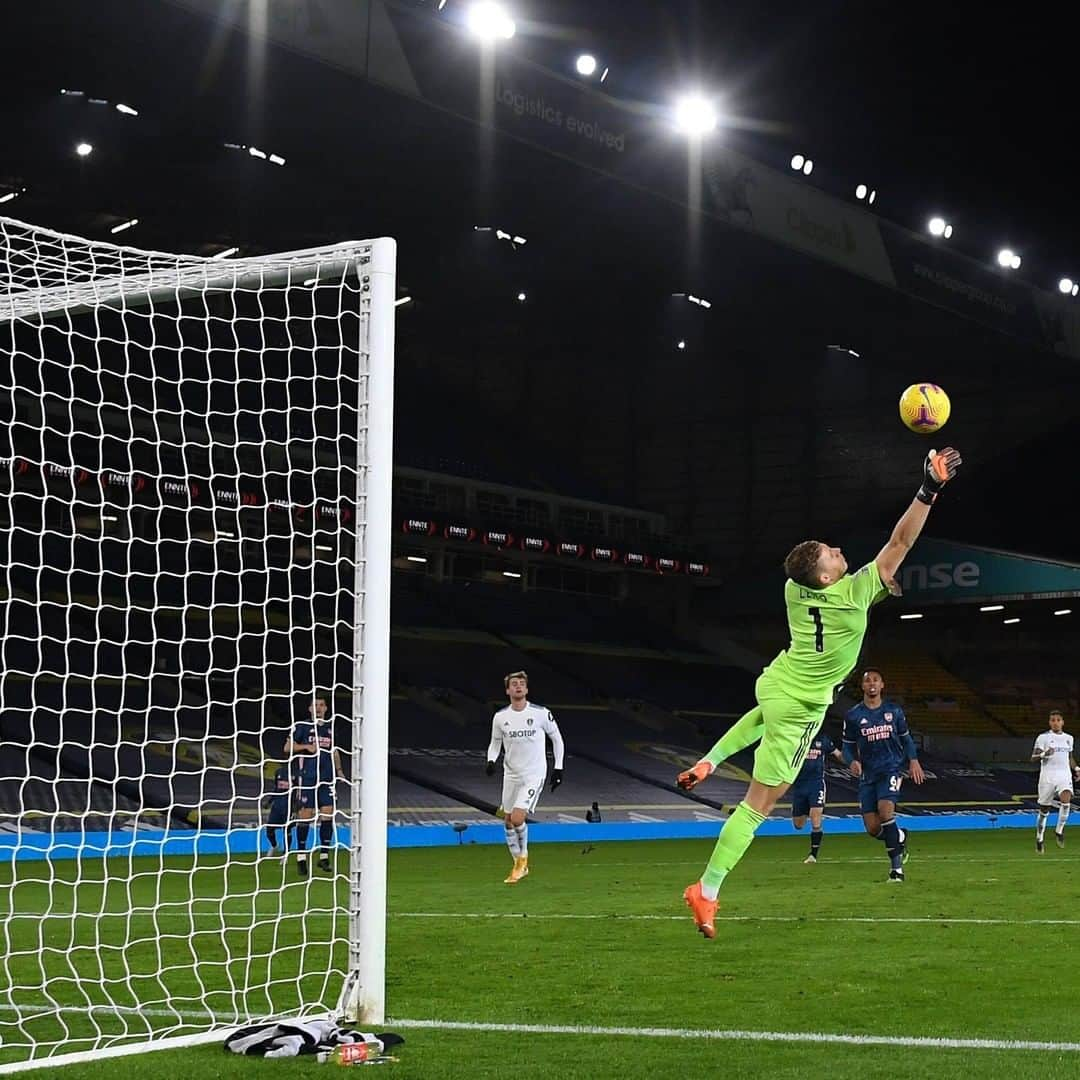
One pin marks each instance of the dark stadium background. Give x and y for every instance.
(754, 436)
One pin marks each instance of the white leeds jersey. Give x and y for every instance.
(520, 732)
(1058, 763)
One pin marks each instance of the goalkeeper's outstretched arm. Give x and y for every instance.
(938, 470)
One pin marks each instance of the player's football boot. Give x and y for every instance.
(302, 867)
(521, 869)
(324, 865)
(704, 910)
(896, 876)
(904, 853)
(809, 860)
(1040, 847)
(1059, 838)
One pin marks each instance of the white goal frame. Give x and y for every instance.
(175, 277)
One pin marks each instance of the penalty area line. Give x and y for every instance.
(735, 1034)
(919, 919)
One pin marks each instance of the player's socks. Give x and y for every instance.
(735, 837)
(302, 831)
(271, 835)
(891, 835)
(512, 839)
(326, 837)
(815, 842)
(1040, 826)
(1063, 816)
(522, 831)
(743, 733)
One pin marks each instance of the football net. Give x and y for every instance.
(195, 461)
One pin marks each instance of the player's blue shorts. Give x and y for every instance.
(313, 795)
(805, 797)
(874, 787)
(279, 810)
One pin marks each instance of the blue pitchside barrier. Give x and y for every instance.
(249, 841)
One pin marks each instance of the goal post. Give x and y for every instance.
(363, 997)
(195, 531)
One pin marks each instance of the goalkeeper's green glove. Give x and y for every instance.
(556, 778)
(938, 470)
(489, 768)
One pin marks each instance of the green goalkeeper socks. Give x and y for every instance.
(734, 839)
(743, 733)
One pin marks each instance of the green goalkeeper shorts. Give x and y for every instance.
(790, 727)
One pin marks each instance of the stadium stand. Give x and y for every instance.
(935, 700)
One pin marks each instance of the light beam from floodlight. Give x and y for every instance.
(695, 115)
(489, 21)
(586, 65)
(937, 226)
(861, 192)
(1065, 285)
(84, 149)
(797, 162)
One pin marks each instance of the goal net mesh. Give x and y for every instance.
(181, 441)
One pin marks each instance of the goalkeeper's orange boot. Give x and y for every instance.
(704, 910)
(521, 869)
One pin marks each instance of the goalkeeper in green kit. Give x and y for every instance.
(827, 611)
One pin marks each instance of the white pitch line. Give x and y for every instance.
(599, 864)
(742, 1036)
(736, 918)
(715, 1034)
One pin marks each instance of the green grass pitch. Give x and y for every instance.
(976, 944)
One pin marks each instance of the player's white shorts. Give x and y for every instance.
(1049, 786)
(520, 794)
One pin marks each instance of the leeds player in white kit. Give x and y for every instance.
(521, 731)
(1054, 752)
